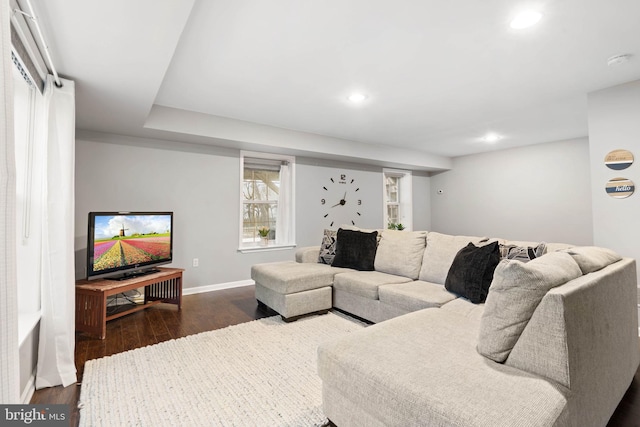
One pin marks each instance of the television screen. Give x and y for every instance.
(124, 244)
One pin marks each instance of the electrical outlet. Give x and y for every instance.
(196, 262)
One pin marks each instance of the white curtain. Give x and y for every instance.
(9, 359)
(284, 233)
(57, 326)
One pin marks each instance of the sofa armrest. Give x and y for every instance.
(308, 254)
(584, 335)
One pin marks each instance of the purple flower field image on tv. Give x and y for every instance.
(129, 240)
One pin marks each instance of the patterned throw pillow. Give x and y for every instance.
(522, 253)
(328, 247)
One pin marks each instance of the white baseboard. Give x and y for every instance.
(217, 287)
(29, 389)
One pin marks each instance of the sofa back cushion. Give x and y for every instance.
(400, 252)
(439, 254)
(515, 292)
(592, 258)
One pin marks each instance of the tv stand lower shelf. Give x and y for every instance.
(91, 297)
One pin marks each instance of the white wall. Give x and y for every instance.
(538, 193)
(421, 201)
(614, 123)
(200, 185)
(312, 175)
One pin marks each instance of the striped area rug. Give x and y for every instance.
(260, 373)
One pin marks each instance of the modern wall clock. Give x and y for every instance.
(341, 202)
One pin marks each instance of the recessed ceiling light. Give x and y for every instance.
(357, 97)
(525, 19)
(492, 138)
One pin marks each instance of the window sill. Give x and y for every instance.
(26, 324)
(271, 247)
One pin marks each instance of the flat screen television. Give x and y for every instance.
(121, 245)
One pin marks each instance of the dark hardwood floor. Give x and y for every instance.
(207, 312)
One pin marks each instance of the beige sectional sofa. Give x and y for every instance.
(556, 342)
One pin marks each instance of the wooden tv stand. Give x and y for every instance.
(91, 297)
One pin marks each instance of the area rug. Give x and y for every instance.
(260, 373)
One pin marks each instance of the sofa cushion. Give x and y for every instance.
(422, 369)
(522, 251)
(289, 277)
(553, 247)
(515, 292)
(465, 308)
(355, 249)
(439, 254)
(328, 247)
(471, 272)
(416, 295)
(400, 252)
(307, 254)
(592, 258)
(365, 283)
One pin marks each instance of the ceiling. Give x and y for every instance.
(439, 75)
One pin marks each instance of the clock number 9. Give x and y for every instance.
(323, 201)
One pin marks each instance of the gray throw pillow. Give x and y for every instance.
(514, 295)
(522, 253)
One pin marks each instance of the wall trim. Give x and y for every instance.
(217, 287)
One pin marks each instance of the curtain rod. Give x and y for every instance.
(47, 54)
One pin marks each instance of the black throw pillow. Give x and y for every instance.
(471, 272)
(355, 249)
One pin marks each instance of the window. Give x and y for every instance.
(398, 205)
(260, 190)
(267, 206)
(393, 200)
(29, 162)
